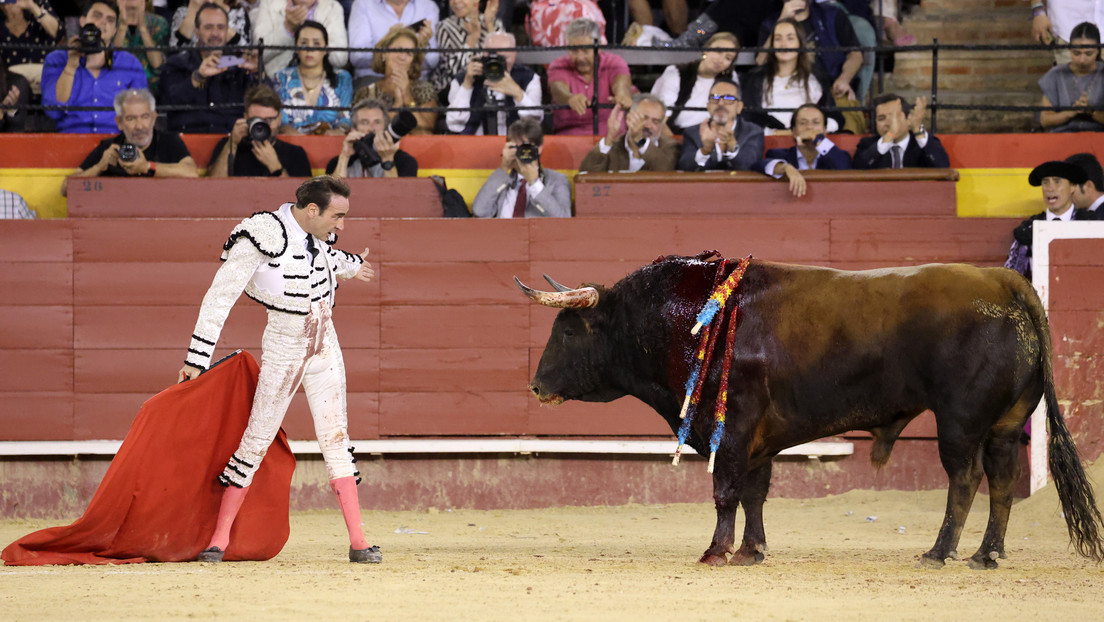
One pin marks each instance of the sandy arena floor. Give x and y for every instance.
(828, 561)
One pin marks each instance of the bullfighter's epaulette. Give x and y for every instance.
(264, 230)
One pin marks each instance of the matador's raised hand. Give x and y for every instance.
(366, 273)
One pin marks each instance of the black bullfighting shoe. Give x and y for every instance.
(370, 555)
(211, 554)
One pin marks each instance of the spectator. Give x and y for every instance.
(811, 150)
(675, 14)
(724, 141)
(13, 207)
(901, 140)
(15, 96)
(239, 155)
(371, 118)
(28, 22)
(278, 20)
(549, 20)
(158, 154)
(1078, 84)
(571, 77)
(88, 77)
(373, 20)
(198, 78)
(185, 22)
(465, 28)
(688, 85)
(521, 187)
(519, 87)
(140, 27)
(825, 25)
(787, 80)
(401, 87)
(889, 11)
(1053, 21)
(642, 147)
(1089, 195)
(314, 82)
(1058, 180)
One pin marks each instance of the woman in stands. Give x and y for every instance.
(465, 28)
(312, 81)
(15, 96)
(1078, 84)
(688, 85)
(401, 86)
(183, 22)
(772, 91)
(27, 22)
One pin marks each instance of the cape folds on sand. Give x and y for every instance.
(159, 499)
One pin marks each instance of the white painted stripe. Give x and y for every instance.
(437, 446)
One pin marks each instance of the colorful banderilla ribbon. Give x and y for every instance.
(709, 318)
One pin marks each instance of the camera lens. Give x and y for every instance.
(91, 40)
(494, 67)
(128, 152)
(527, 153)
(259, 130)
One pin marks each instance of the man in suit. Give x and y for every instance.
(901, 140)
(1058, 180)
(521, 187)
(641, 147)
(1089, 195)
(724, 141)
(812, 150)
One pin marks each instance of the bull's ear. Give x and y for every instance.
(580, 298)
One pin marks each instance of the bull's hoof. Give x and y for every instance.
(928, 560)
(713, 560)
(985, 562)
(743, 558)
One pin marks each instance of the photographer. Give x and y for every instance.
(86, 75)
(521, 187)
(140, 150)
(370, 149)
(252, 149)
(494, 77)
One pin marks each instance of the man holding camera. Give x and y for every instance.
(496, 79)
(642, 147)
(370, 148)
(210, 82)
(252, 149)
(87, 75)
(521, 187)
(140, 150)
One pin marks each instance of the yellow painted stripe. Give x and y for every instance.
(997, 193)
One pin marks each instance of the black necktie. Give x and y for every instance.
(311, 247)
(896, 150)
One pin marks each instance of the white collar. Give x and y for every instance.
(1097, 203)
(1065, 216)
(292, 225)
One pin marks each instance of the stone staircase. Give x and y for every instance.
(997, 77)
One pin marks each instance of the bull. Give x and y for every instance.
(819, 352)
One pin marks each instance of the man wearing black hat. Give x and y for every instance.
(1058, 179)
(1089, 195)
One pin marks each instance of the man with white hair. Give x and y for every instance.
(517, 86)
(140, 149)
(641, 147)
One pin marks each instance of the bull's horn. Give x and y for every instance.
(556, 286)
(580, 298)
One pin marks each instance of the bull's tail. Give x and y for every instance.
(1075, 491)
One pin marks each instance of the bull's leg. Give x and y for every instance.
(754, 545)
(729, 475)
(1002, 468)
(959, 454)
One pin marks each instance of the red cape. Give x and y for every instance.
(159, 499)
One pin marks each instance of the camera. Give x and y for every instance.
(527, 153)
(494, 67)
(90, 39)
(365, 147)
(259, 130)
(128, 152)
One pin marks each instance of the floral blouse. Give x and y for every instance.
(158, 28)
(292, 93)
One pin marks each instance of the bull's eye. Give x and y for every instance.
(569, 332)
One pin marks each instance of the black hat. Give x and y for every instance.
(1057, 168)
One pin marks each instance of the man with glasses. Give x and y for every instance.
(140, 149)
(246, 154)
(642, 147)
(724, 141)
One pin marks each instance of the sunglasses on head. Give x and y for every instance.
(727, 98)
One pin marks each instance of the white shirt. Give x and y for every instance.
(1065, 14)
(460, 97)
(1095, 207)
(1067, 216)
(822, 149)
(370, 20)
(509, 197)
(667, 87)
(787, 93)
(635, 163)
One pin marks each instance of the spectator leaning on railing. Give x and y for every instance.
(87, 75)
(571, 78)
(314, 82)
(688, 85)
(252, 149)
(518, 86)
(811, 150)
(1078, 84)
(279, 20)
(140, 149)
(643, 146)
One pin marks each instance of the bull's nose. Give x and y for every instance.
(534, 390)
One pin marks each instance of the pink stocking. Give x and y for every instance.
(232, 499)
(345, 489)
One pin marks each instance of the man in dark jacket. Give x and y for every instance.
(901, 140)
(724, 141)
(1057, 179)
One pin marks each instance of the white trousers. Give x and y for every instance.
(296, 350)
